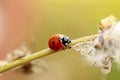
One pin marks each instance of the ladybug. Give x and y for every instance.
(58, 42)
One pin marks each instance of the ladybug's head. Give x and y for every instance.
(65, 41)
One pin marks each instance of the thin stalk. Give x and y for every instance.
(40, 54)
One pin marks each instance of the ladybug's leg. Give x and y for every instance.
(69, 46)
(63, 48)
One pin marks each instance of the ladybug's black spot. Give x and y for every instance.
(57, 47)
(53, 42)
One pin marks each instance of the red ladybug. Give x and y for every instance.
(59, 42)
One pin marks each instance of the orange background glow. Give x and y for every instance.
(34, 21)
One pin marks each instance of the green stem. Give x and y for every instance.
(40, 54)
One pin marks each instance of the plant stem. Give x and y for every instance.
(40, 54)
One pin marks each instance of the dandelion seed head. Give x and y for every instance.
(107, 22)
(36, 66)
(40, 66)
(105, 48)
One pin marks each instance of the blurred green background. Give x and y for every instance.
(75, 18)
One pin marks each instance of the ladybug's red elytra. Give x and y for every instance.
(58, 42)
